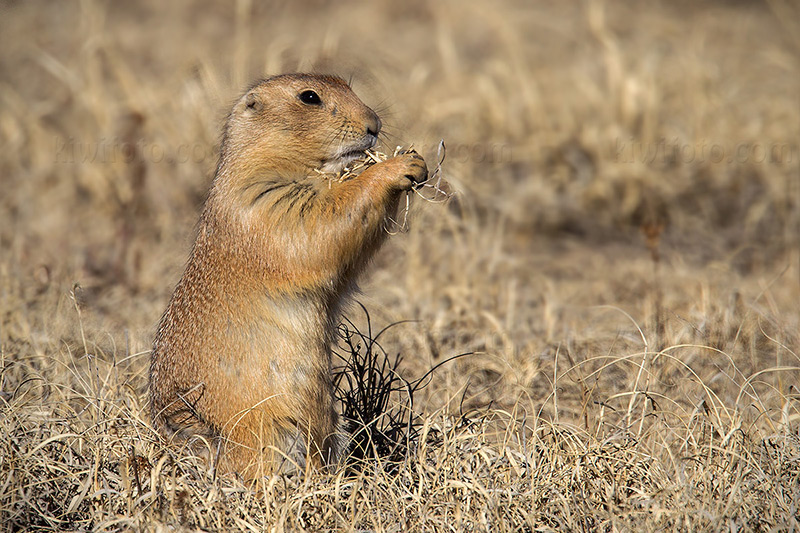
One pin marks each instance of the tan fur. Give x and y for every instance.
(242, 353)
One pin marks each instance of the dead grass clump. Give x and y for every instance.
(434, 189)
(377, 403)
(357, 166)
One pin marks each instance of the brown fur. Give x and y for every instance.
(242, 353)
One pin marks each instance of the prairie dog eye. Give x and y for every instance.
(310, 97)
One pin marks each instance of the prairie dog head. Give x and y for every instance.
(293, 124)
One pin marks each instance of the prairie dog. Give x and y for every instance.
(242, 353)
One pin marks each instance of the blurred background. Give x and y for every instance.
(627, 174)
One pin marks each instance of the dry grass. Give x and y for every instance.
(622, 256)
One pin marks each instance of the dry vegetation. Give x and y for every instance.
(622, 258)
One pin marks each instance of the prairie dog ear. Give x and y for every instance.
(252, 102)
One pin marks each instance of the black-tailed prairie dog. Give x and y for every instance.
(242, 354)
